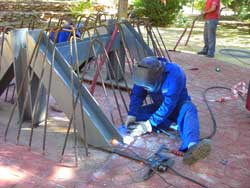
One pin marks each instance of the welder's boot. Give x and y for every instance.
(197, 152)
(202, 52)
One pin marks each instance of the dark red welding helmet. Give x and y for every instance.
(148, 73)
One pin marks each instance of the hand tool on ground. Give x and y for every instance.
(159, 161)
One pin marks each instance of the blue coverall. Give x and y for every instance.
(64, 36)
(170, 104)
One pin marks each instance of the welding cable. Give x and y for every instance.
(140, 159)
(210, 109)
(136, 157)
(228, 51)
(187, 178)
(214, 124)
(175, 171)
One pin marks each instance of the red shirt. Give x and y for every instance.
(215, 14)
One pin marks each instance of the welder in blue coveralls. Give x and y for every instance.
(165, 83)
(65, 34)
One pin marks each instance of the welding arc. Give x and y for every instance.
(134, 156)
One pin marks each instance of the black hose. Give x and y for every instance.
(210, 110)
(187, 178)
(136, 157)
(232, 53)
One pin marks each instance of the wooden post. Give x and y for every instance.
(122, 9)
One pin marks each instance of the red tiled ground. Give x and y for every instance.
(228, 165)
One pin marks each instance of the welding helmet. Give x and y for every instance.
(148, 73)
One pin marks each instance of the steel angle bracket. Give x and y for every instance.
(6, 62)
(138, 47)
(84, 48)
(20, 60)
(100, 131)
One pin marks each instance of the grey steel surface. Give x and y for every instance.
(84, 48)
(6, 59)
(18, 49)
(137, 46)
(100, 131)
(117, 67)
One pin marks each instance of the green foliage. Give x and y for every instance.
(159, 12)
(199, 4)
(245, 14)
(240, 7)
(80, 7)
(182, 20)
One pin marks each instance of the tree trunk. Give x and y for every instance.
(122, 9)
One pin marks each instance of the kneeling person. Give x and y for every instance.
(165, 83)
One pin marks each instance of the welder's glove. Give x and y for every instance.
(130, 119)
(141, 128)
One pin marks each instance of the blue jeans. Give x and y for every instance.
(210, 36)
(185, 116)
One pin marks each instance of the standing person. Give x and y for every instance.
(165, 83)
(211, 16)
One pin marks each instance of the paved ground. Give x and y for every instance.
(228, 165)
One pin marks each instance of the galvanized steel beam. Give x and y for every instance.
(100, 131)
